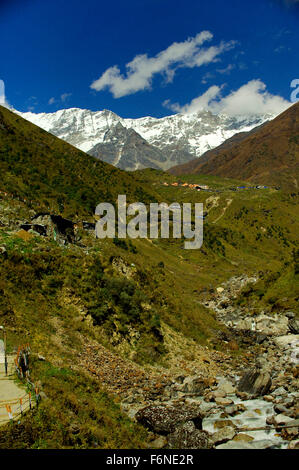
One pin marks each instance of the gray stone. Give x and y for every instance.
(206, 407)
(232, 410)
(223, 435)
(227, 388)
(282, 419)
(194, 385)
(223, 401)
(158, 443)
(294, 326)
(268, 398)
(280, 391)
(264, 444)
(273, 325)
(255, 382)
(165, 419)
(218, 394)
(279, 408)
(186, 436)
(285, 340)
(289, 401)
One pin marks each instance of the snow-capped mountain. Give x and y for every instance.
(145, 142)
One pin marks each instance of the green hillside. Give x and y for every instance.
(38, 167)
(266, 155)
(111, 316)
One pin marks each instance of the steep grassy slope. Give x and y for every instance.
(190, 167)
(245, 231)
(268, 156)
(52, 174)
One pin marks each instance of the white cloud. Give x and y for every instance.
(226, 70)
(141, 70)
(200, 103)
(2, 92)
(3, 99)
(250, 99)
(207, 76)
(64, 97)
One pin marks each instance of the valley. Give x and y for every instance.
(140, 343)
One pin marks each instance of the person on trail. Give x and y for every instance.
(23, 362)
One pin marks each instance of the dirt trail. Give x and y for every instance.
(11, 393)
(228, 203)
(212, 202)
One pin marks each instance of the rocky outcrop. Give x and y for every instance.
(165, 419)
(186, 436)
(294, 326)
(286, 340)
(126, 149)
(223, 435)
(269, 325)
(194, 385)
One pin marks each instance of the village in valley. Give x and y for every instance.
(204, 187)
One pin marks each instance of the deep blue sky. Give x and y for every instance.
(54, 47)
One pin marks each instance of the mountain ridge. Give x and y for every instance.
(180, 137)
(267, 155)
(38, 166)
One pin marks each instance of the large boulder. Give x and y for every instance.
(294, 326)
(274, 325)
(286, 340)
(194, 385)
(165, 419)
(227, 387)
(186, 436)
(282, 420)
(245, 324)
(255, 382)
(223, 435)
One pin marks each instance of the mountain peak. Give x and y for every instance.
(180, 137)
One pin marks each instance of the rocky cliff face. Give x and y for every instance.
(126, 149)
(146, 142)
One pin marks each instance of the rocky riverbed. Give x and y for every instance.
(252, 406)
